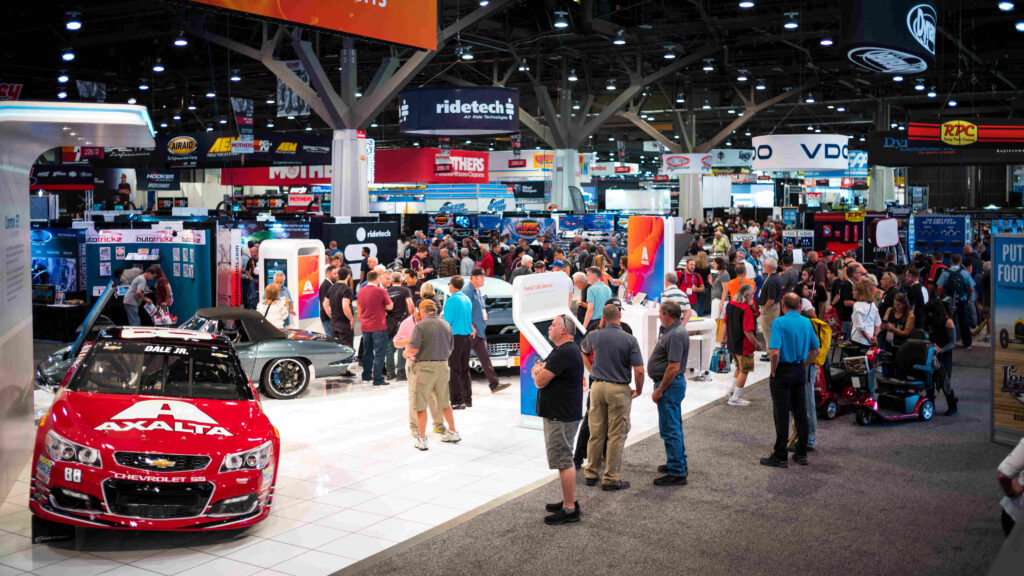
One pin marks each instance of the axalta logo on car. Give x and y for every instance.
(145, 417)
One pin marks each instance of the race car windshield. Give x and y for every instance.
(169, 370)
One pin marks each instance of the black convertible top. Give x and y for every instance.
(257, 327)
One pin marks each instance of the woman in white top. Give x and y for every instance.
(865, 321)
(1009, 475)
(272, 307)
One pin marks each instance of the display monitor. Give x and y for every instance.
(465, 221)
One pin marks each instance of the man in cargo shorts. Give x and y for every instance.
(401, 340)
(430, 345)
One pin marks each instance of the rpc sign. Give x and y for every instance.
(790, 152)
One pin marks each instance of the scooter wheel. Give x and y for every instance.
(926, 411)
(829, 410)
(864, 416)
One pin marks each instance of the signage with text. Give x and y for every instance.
(459, 111)
(801, 152)
(407, 165)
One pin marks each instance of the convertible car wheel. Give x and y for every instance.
(285, 378)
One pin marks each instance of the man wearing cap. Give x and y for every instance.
(472, 290)
(429, 347)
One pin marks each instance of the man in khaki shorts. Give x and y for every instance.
(430, 346)
(401, 340)
(740, 325)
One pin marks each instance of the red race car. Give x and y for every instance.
(154, 429)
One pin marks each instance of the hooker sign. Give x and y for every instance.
(801, 152)
(672, 164)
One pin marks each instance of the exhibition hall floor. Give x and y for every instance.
(350, 485)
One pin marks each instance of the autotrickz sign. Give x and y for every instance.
(459, 111)
(890, 36)
(801, 152)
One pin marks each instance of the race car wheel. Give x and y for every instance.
(830, 410)
(1004, 338)
(285, 378)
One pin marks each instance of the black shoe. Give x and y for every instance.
(952, 410)
(764, 358)
(563, 517)
(663, 469)
(384, 383)
(774, 462)
(500, 387)
(468, 404)
(558, 506)
(670, 480)
(620, 485)
(391, 376)
(402, 376)
(578, 464)
(800, 459)
(792, 448)
(348, 374)
(591, 481)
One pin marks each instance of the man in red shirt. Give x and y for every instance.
(691, 283)
(374, 304)
(740, 324)
(487, 263)
(418, 263)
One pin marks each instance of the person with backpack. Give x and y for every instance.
(956, 286)
(814, 371)
(740, 323)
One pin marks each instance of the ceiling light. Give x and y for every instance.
(484, 2)
(191, 107)
(611, 138)
(810, 128)
(952, 103)
(523, 66)
(760, 85)
(159, 66)
(467, 52)
(826, 42)
(732, 111)
(211, 94)
(63, 78)
(817, 130)
(560, 21)
(897, 78)
(491, 148)
(67, 55)
(270, 100)
(742, 77)
(810, 98)
(373, 125)
(670, 53)
(746, 4)
(163, 124)
(680, 99)
(1020, 26)
(235, 77)
(893, 124)
(919, 87)
(209, 128)
(611, 85)
(358, 94)
(74, 23)
(270, 124)
(841, 109)
(830, 107)
(706, 106)
(572, 75)
(575, 105)
(309, 128)
(291, 117)
(932, 94)
(131, 100)
(62, 94)
(143, 86)
(181, 40)
(747, 134)
(901, 128)
(177, 117)
(791, 23)
(222, 121)
(620, 37)
(728, 142)
(1006, 6)
(415, 143)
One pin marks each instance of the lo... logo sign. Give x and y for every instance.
(959, 133)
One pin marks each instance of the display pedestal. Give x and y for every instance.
(349, 190)
(564, 176)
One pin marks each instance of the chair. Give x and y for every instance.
(915, 362)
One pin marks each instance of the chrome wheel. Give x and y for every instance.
(285, 378)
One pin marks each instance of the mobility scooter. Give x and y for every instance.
(909, 396)
(834, 387)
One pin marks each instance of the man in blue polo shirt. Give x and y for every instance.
(458, 312)
(792, 346)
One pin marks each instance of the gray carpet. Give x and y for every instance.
(905, 498)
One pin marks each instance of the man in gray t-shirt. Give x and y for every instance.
(430, 345)
(667, 367)
(137, 295)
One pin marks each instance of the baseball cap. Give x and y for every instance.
(427, 304)
(558, 263)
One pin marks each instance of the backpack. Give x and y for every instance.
(823, 331)
(955, 286)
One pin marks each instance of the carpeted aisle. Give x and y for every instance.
(909, 498)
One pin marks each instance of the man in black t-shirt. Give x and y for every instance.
(330, 277)
(559, 381)
(401, 297)
(340, 298)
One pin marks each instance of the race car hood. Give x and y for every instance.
(148, 423)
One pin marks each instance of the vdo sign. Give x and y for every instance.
(801, 152)
(890, 36)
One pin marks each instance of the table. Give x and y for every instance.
(645, 324)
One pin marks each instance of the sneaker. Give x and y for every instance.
(442, 429)
(765, 358)
(556, 506)
(620, 485)
(420, 444)
(367, 381)
(458, 406)
(663, 469)
(801, 460)
(500, 387)
(774, 462)
(738, 402)
(670, 480)
(563, 517)
(450, 436)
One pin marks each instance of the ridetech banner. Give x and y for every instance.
(1007, 317)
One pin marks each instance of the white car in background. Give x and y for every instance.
(502, 333)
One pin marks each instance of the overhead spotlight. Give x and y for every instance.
(817, 130)
(572, 75)
(1006, 6)
(919, 87)
(163, 124)
(791, 23)
(177, 117)
(181, 41)
(235, 77)
(611, 85)
(728, 142)
(830, 107)
(63, 78)
(373, 125)
(209, 128)
(358, 94)
(62, 94)
(191, 107)
(620, 37)
(901, 128)
(861, 139)
(291, 117)
(760, 85)
(897, 78)
(742, 77)
(1020, 26)
(706, 106)
(74, 22)
(826, 42)
(158, 66)
(840, 109)
(746, 4)
(523, 66)
(810, 128)
(893, 124)
(490, 148)
(575, 105)
(670, 53)
(211, 94)
(67, 55)
(952, 103)
(309, 128)
(932, 94)
(131, 100)
(484, 3)
(611, 138)
(810, 98)
(680, 99)
(708, 66)
(222, 121)
(143, 86)
(560, 21)
(747, 134)
(467, 52)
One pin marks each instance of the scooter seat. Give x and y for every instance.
(893, 382)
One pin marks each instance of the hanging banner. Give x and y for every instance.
(380, 237)
(408, 165)
(158, 179)
(243, 121)
(801, 152)
(673, 164)
(645, 248)
(951, 142)
(889, 36)
(289, 103)
(276, 176)
(61, 177)
(459, 111)
(91, 91)
(1008, 347)
(529, 191)
(209, 149)
(731, 158)
(9, 91)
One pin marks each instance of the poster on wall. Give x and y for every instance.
(380, 237)
(1008, 346)
(646, 248)
(939, 233)
(528, 228)
(55, 257)
(114, 186)
(309, 282)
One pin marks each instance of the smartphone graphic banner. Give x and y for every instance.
(308, 284)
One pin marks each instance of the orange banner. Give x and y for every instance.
(409, 22)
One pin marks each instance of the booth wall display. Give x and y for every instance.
(798, 239)
(890, 36)
(801, 152)
(158, 179)
(647, 248)
(114, 185)
(259, 231)
(380, 237)
(952, 142)
(56, 257)
(459, 111)
(184, 256)
(1008, 347)
(946, 234)
(270, 148)
(529, 228)
(51, 177)
(837, 232)
(789, 216)
(401, 165)
(534, 190)
(1007, 226)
